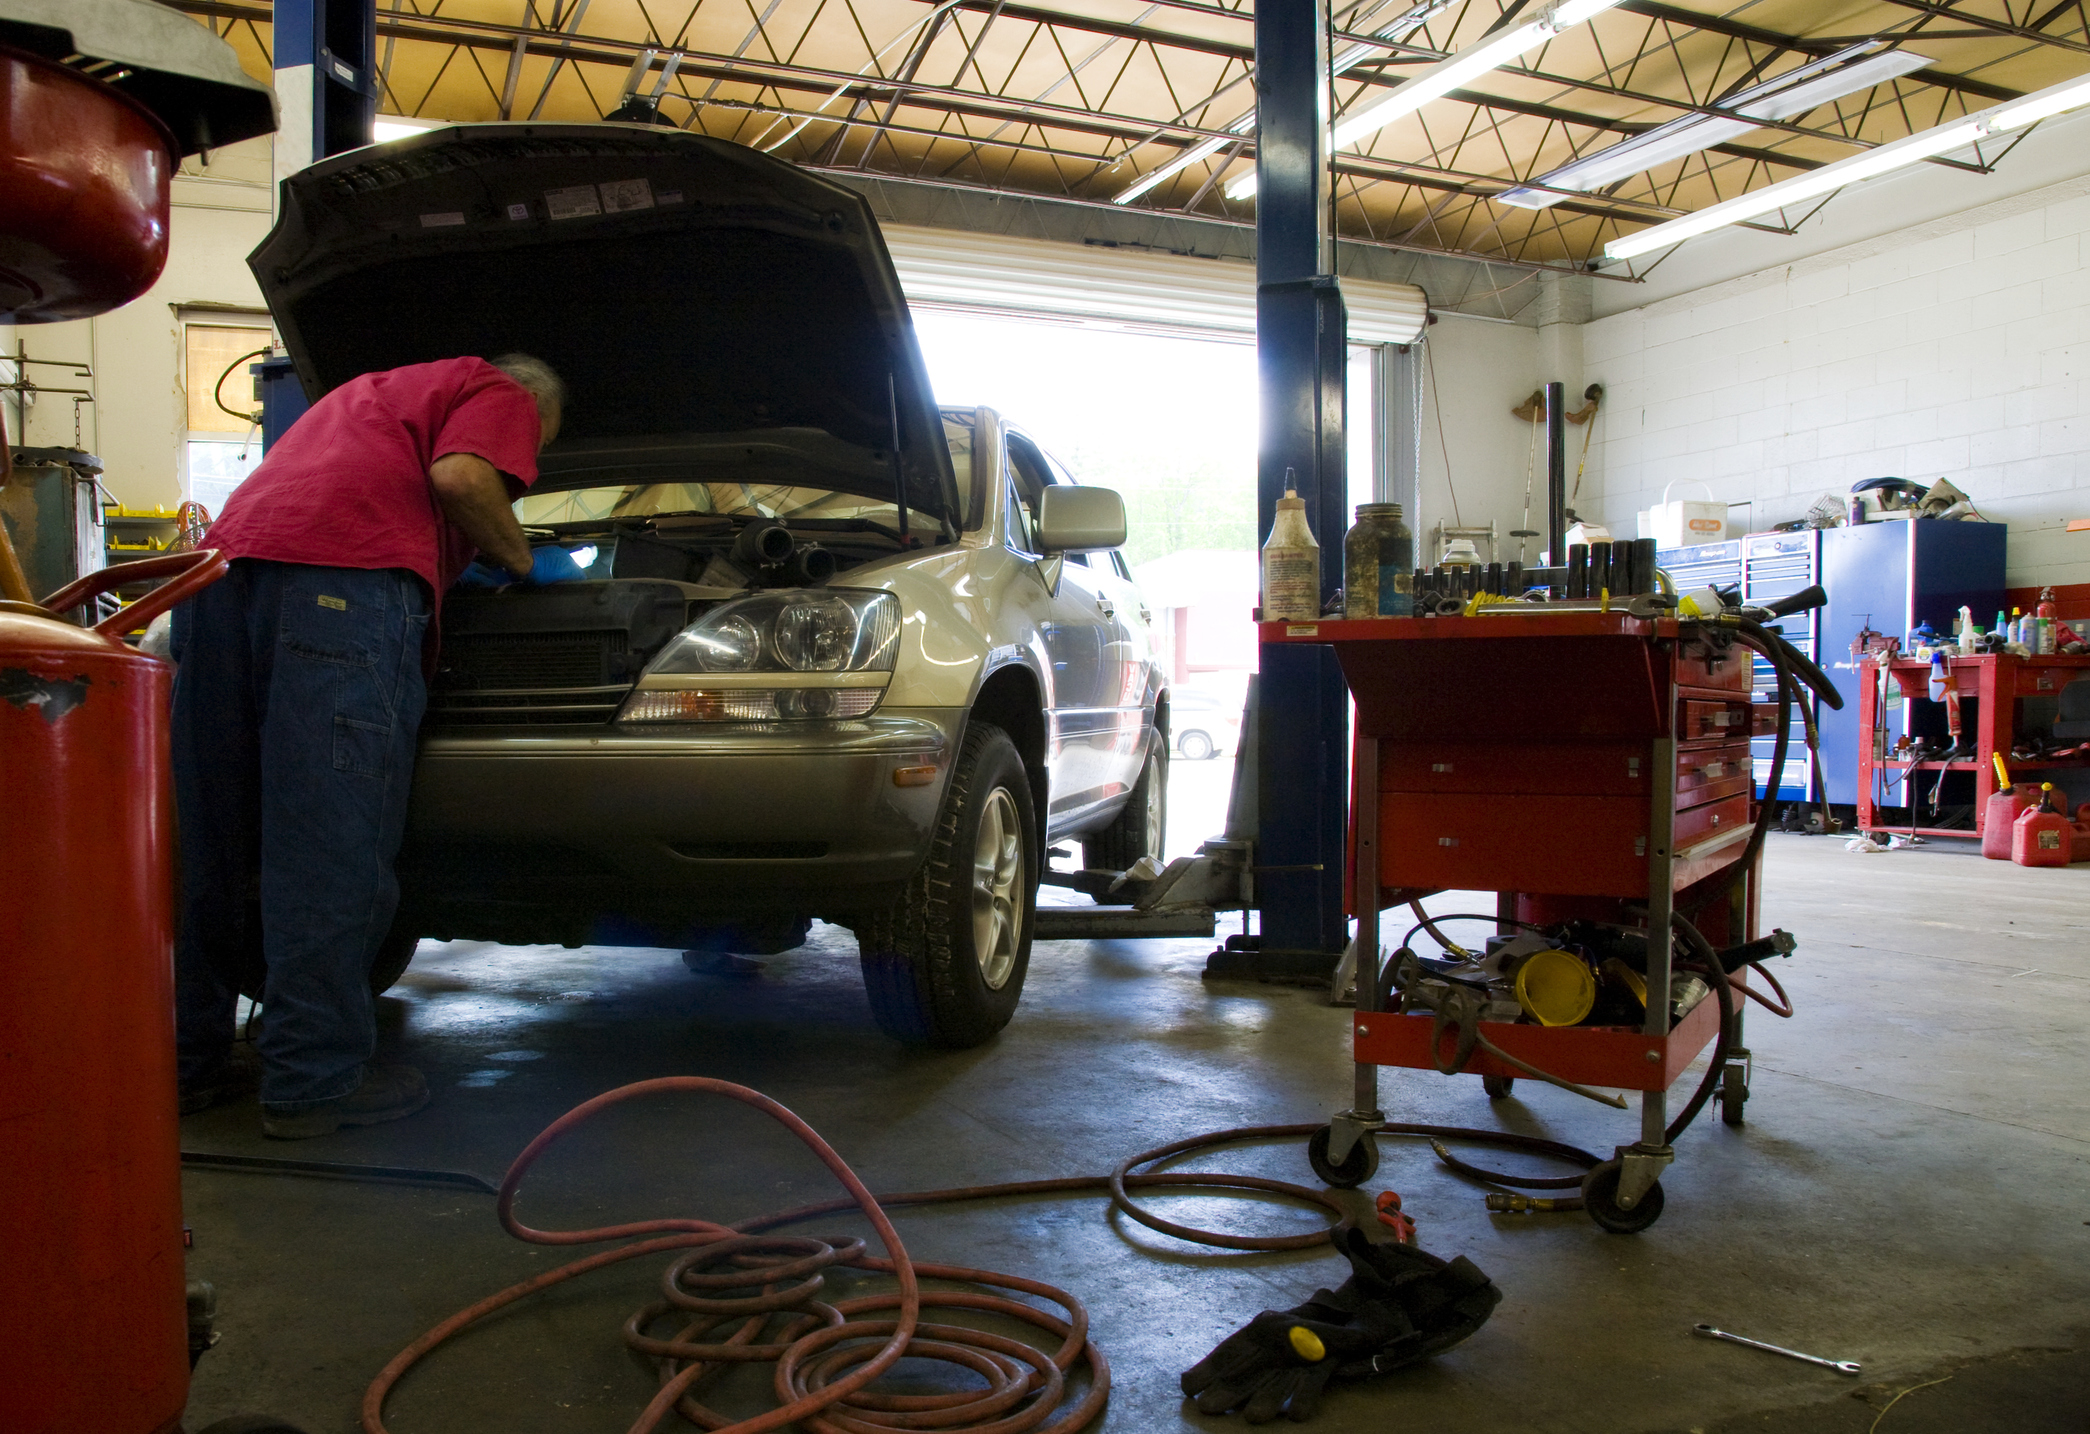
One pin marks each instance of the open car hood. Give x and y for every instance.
(686, 288)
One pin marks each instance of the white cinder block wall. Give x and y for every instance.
(1958, 348)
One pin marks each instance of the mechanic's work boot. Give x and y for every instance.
(237, 1077)
(387, 1093)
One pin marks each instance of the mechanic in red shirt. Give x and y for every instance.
(297, 701)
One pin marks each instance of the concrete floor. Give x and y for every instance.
(1910, 1191)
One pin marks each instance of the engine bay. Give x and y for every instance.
(568, 653)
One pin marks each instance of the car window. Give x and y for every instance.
(1028, 465)
(1018, 529)
(958, 429)
(1117, 561)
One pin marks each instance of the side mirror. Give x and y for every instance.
(1080, 520)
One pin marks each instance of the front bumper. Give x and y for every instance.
(678, 823)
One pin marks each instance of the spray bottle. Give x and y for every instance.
(1965, 631)
(1291, 562)
(1938, 681)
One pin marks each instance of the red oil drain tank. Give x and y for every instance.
(91, 1240)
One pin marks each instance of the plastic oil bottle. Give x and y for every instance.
(1291, 563)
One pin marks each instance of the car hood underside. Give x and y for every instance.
(681, 285)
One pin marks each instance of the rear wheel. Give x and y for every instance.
(1141, 828)
(1194, 746)
(944, 964)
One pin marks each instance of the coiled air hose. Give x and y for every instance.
(728, 1284)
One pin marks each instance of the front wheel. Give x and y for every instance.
(1194, 746)
(394, 954)
(944, 964)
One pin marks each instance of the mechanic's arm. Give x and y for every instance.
(474, 496)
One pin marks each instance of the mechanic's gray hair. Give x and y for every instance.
(537, 378)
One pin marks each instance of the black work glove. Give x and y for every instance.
(1413, 1303)
(1277, 1363)
(1399, 1305)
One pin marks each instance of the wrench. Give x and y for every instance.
(1841, 1366)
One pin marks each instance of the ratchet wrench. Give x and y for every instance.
(1841, 1366)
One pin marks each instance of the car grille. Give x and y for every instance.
(530, 678)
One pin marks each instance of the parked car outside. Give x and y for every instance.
(838, 654)
(1205, 724)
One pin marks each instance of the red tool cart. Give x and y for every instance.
(1580, 764)
(1998, 682)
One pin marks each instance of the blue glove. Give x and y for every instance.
(547, 565)
(554, 565)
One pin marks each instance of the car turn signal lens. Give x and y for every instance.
(751, 704)
(913, 776)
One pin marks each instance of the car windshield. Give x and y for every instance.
(749, 500)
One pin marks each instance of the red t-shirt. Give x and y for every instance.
(347, 486)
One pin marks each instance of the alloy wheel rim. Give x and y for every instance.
(1152, 828)
(997, 888)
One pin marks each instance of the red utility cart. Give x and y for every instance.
(1998, 682)
(1579, 764)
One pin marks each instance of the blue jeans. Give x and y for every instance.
(296, 705)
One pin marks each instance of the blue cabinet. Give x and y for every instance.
(1890, 577)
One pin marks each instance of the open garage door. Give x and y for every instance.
(1211, 298)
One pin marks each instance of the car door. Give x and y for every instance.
(1081, 641)
(1127, 658)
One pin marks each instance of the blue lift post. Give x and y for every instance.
(326, 73)
(1303, 745)
(326, 87)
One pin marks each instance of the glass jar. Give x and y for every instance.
(1379, 564)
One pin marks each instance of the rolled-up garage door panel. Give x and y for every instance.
(990, 273)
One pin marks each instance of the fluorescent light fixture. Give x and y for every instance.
(1793, 93)
(2044, 104)
(1449, 73)
(1203, 150)
(1414, 19)
(1924, 144)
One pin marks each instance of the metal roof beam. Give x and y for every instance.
(1736, 30)
(1994, 27)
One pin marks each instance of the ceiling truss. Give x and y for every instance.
(1077, 101)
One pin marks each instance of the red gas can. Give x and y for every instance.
(2041, 838)
(91, 1240)
(2001, 816)
(2079, 842)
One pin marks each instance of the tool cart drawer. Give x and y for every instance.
(1704, 720)
(1706, 774)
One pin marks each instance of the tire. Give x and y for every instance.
(1356, 1168)
(1194, 746)
(394, 954)
(1498, 1087)
(1600, 1199)
(1141, 828)
(944, 964)
(1733, 1095)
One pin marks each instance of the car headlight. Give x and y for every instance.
(791, 630)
